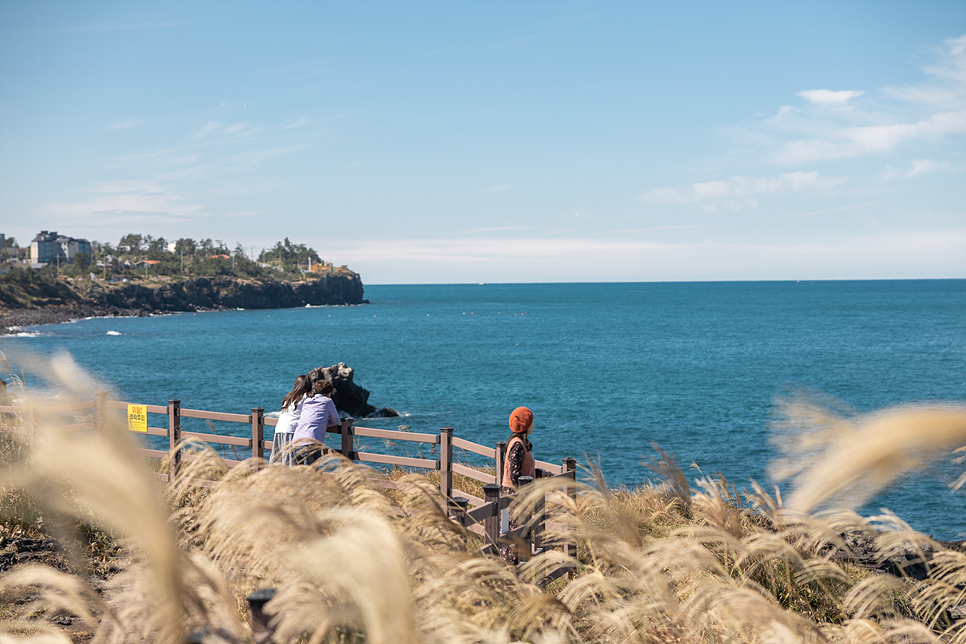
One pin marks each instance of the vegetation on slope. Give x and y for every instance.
(655, 564)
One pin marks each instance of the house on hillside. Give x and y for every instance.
(50, 248)
(219, 257)
(146, 263)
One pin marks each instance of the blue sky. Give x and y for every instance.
(497, 141)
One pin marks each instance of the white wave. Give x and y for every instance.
(26, 334)
(114, 333)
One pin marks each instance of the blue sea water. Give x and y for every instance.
(608, 369)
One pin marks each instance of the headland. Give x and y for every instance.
(29, 299)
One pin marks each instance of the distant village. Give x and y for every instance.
(138, 256)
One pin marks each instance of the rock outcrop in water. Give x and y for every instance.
(349, 398)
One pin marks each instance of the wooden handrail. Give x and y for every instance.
(215, 438)
(483, 518)
(396, 435)
(550, 467)
(482, 477)
(213, 415)
(489, 452)
(152, 409)
(62, 407)
(369, 457)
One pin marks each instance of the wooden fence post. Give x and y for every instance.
(491, 524)
(262, 630)
(100, 411)
(258, 440)
(524, 553)
(347, 447)
(539, 511)
(457, 507)
(446, 462)
(569, 546)
(174, 437)
(500, 460)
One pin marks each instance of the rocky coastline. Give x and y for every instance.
(191, 295)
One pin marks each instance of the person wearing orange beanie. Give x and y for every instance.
(519, 462)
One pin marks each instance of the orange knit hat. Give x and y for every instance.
(521, 420)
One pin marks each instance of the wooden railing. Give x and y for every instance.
(480, 515)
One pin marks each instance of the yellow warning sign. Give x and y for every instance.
(137, 418)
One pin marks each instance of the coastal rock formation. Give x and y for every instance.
(55, 301)
(205, 293)
(349, 398)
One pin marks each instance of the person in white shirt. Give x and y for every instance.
(318, 414)
(288, 419)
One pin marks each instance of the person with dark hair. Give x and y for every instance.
(519, 462)
(318, 414)
(288, 418)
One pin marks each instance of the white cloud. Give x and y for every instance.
(926, 166)
(451, 260)
(930, 113)
(500, 187)
(851, 142)
(829, 97)
(126, 123)
(132, 26)
(739, 191)
(126, 202)
(491, 229)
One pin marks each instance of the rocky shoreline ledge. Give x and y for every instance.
(191, 295)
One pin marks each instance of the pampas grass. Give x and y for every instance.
(352, 562)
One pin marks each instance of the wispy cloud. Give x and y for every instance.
(934, 253)
(126, 123)
(926, 166)
(737, 192)
(916, 168)
(829, 97)
(117, 26)
(491, 229)
(500, 187)
(126, 202)
(216, 128)
(836, 125)
(851, 142)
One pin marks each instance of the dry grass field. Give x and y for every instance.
(141, 560)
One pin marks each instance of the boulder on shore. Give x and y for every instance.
(349, 398)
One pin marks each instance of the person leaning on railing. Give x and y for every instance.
(318, 414)
(288, 419)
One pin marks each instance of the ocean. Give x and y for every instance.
(608, 369)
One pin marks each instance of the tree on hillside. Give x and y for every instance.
(157, 248)
(206, 247)
(185, 245)
(131, 242)
(287, 253)
(10, 242)
(82, 261)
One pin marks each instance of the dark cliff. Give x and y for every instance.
(206, 293)
(32, 299)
